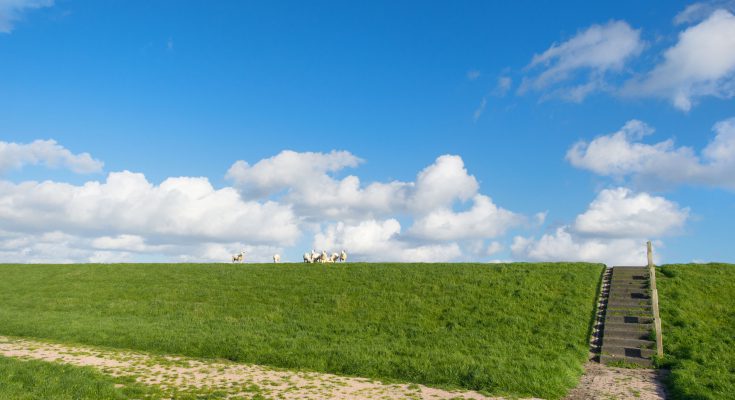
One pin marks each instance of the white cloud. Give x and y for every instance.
(621, 213)
(441, 184)
(480, 109)
(373, 240)
(494, 248)
(473, 74)
(483, 220)
(503, 86)
(12, 10)
(60, 247)
(699, 11)
(274, 201)
(354, 214)
(305, 181)
(701, 63)
(564, 246)
(124, 242)
(288, 170)
(47, 153)
(540, 217)
(594, 52)
(621, 154)
(612, 230)
(177, 210)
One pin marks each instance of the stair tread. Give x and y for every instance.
(625, 342)
(621, 351)
(643, 362)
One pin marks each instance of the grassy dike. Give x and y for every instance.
(697, 304)
(515, 329)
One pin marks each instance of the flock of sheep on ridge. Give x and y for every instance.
(310, 258)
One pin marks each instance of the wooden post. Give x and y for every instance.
(654, 301)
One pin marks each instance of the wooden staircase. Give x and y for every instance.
(628, 335)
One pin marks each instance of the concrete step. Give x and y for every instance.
(638, 308)
(619, 319)
(637, 276)
(629, 292)
(612, 303)
(625, 326)
(628, 282)
(632, 295)
(622, 351)
(630, 277)
(629, 313)
(631, 272)
(642, 362)
(626, 334)
(631, 343)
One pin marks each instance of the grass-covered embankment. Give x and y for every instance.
(518, 329)
(697, 304)
(33, 380)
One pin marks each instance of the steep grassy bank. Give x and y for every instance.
(518, 329)
(697, 305)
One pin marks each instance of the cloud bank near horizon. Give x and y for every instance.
(272, 205)
(302, 199)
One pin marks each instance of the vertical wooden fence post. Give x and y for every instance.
(654, 301)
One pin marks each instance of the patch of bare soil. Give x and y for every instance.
(178, 375)
(601, 382)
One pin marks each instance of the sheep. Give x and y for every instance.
(308, 258)
(343, 256)
(239, 257)
(334, 257)
(276, 258)
(324, 257)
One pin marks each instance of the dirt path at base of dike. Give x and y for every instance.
(182, 375)
(601, 382)
(176, 375)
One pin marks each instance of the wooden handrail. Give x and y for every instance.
(654, 301)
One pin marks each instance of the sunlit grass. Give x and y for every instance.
(516, 329)
(697, 305)
(34, 380)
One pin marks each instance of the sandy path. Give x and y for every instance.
(603, 382)
(189, 375)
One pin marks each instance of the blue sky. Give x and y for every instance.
(212, 128)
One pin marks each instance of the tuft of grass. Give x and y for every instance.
(697, 304)
(507, 329)
(31, 380)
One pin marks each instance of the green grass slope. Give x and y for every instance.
(36, 380)
(697, 304)
(517, 329)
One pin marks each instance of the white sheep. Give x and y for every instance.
(308, 258)
(324, 257)
(276, 258)
(239, 257)
(334, 257)
(343, 256)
